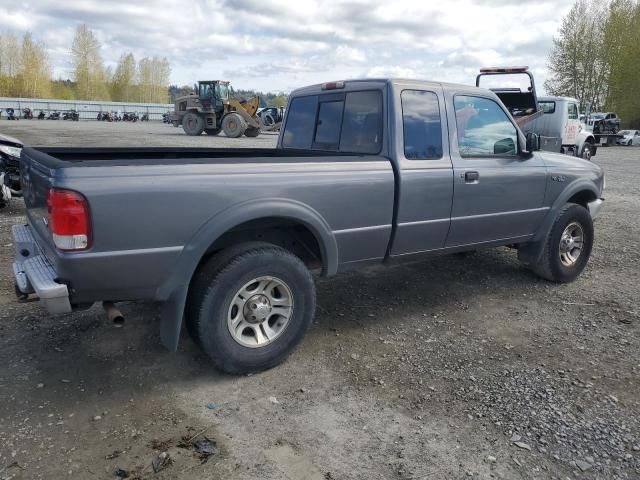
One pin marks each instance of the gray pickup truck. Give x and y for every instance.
(365, 171)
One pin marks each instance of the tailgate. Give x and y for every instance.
(37, 179)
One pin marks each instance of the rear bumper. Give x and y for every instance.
(34, 274)
(595, 207)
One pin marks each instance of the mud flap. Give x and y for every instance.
(530, 253)
(171, 315)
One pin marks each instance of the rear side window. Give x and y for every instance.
(348, 122)
(362, 123)
(547, 106)
(300, 122)
(421, 125)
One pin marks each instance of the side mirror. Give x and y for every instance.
(504, 146)
(533, 142)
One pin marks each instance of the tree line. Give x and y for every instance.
(596, 58)
(25, 71)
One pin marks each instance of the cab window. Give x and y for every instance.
(572, 111)
(484, 130)
(301, 121)
(421, 125)
(343, 122)
(329, 124)
(547, 106)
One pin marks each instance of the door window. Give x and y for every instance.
(573, 111)
(421, 125)
(484, 129)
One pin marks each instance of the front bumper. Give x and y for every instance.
(595, 207)
(34, 274)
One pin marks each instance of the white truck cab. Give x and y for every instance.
(560, 127)
(555, 119)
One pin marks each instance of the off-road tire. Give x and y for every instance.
(212, 131)
(216, 284)
(252, 132)
(549, 265)
(233, 125)
(192, 124)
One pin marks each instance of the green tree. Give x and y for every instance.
(154, 76)
(10, 58)
(622, 44)
(35, 73)
(578, 62)
(63, 89)
(123, 79)
(88, 68)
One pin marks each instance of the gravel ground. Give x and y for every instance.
(456, 367)
(105, 134)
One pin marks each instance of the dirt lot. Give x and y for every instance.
(458, 367)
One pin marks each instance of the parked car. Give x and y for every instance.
(602, 123)
(365, 172)
(10, 150)
(629, 137)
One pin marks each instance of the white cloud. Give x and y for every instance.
(280, 44)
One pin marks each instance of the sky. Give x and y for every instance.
(280, 45)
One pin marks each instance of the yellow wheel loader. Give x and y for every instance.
(212, 110)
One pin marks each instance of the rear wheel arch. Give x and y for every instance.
(211, 236)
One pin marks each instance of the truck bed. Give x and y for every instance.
(149, 206)
(61, 157)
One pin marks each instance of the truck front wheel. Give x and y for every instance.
(587, 151)
(568, 245)
(233, 125)
(249, 306)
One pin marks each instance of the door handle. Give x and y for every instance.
(471, 177)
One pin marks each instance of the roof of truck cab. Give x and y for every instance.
(551, 98)
(395, 81)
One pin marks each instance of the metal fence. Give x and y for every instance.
(87, 109)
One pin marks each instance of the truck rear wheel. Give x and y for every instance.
(249, 306)
(568, 245)
(233, 125)
(193, 124)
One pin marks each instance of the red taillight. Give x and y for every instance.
(332, 85)
(69, 219)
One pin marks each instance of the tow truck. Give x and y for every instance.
(555, 119)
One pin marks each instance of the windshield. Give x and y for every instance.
(222, 91)
(624, 132)
(206, 90)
